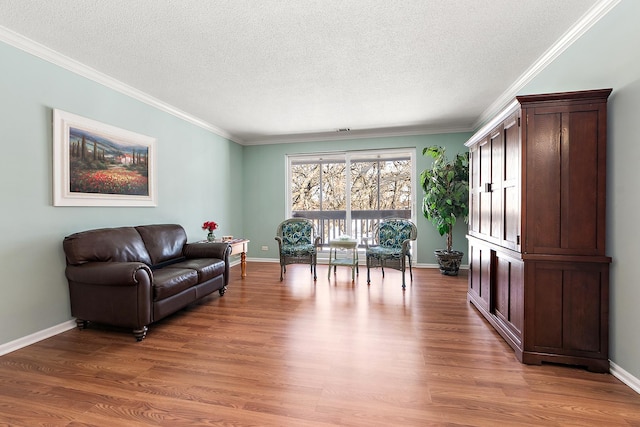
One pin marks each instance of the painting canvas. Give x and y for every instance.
(96, 164)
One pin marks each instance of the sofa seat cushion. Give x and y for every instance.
(207, 268)
(171, 281)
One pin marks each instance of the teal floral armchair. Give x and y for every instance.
(391, 246)
(297, 244)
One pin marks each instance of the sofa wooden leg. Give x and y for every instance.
(140, 333)
(223, 290)
(82, 324)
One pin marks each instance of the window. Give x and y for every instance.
(348, 193)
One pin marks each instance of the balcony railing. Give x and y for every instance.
(331, 224)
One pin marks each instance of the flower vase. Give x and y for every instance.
(211, 237)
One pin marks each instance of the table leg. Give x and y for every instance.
(243, 264)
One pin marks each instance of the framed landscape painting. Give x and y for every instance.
(95, 164)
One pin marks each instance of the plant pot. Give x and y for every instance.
(449, 262)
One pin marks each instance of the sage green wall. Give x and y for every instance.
(608, 56)
(194, 169)
(265, 173)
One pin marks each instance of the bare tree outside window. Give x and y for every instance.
(305, 187)
(364, 186)
(334, 196)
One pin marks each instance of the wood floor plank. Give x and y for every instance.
(306, 353)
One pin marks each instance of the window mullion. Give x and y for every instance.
(347, 187)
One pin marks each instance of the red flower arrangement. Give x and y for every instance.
(209, 225)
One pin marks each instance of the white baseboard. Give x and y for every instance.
(37, 336)
(276, 260)
(625, 377)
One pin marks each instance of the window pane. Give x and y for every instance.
(333, 187)
(364, 185)
(305, 187)
(379, 187)
(395, 185)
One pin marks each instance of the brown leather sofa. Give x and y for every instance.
(133, 276)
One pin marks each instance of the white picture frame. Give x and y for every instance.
(96, 164)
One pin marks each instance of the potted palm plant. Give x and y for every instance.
(446, 199)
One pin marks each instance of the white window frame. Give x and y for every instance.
(347, 157)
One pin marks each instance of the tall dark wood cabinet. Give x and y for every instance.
(538, 268)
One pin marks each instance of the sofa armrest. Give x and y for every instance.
(207, 250)
(108, 273)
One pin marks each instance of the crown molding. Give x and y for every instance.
(38, 50)
(588, 20)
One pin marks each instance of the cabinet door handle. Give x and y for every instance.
(487, 187)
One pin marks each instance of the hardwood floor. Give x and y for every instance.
(299, 353)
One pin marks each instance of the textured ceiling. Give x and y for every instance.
(284, 70)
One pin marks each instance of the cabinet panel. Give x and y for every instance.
(509, 292)
(474, 190)
(545, 305)
(568, 304)
(580, 206)
(582, 299)
(511, 184)
(480, 275)
(485, 196)
(495, 192)
(543, 163)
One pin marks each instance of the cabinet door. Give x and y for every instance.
(496, 142)
(480, 275)
(490, 221)
(474, 190)
(567, 308)
(508, 297)
(485, 154)
(511, 184)
(565, 179)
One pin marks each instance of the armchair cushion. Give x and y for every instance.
(298, 250)
(297, 234)
(385, 252)
(393, 233)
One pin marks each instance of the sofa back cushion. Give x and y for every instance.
(164, 242)
(122, 244)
